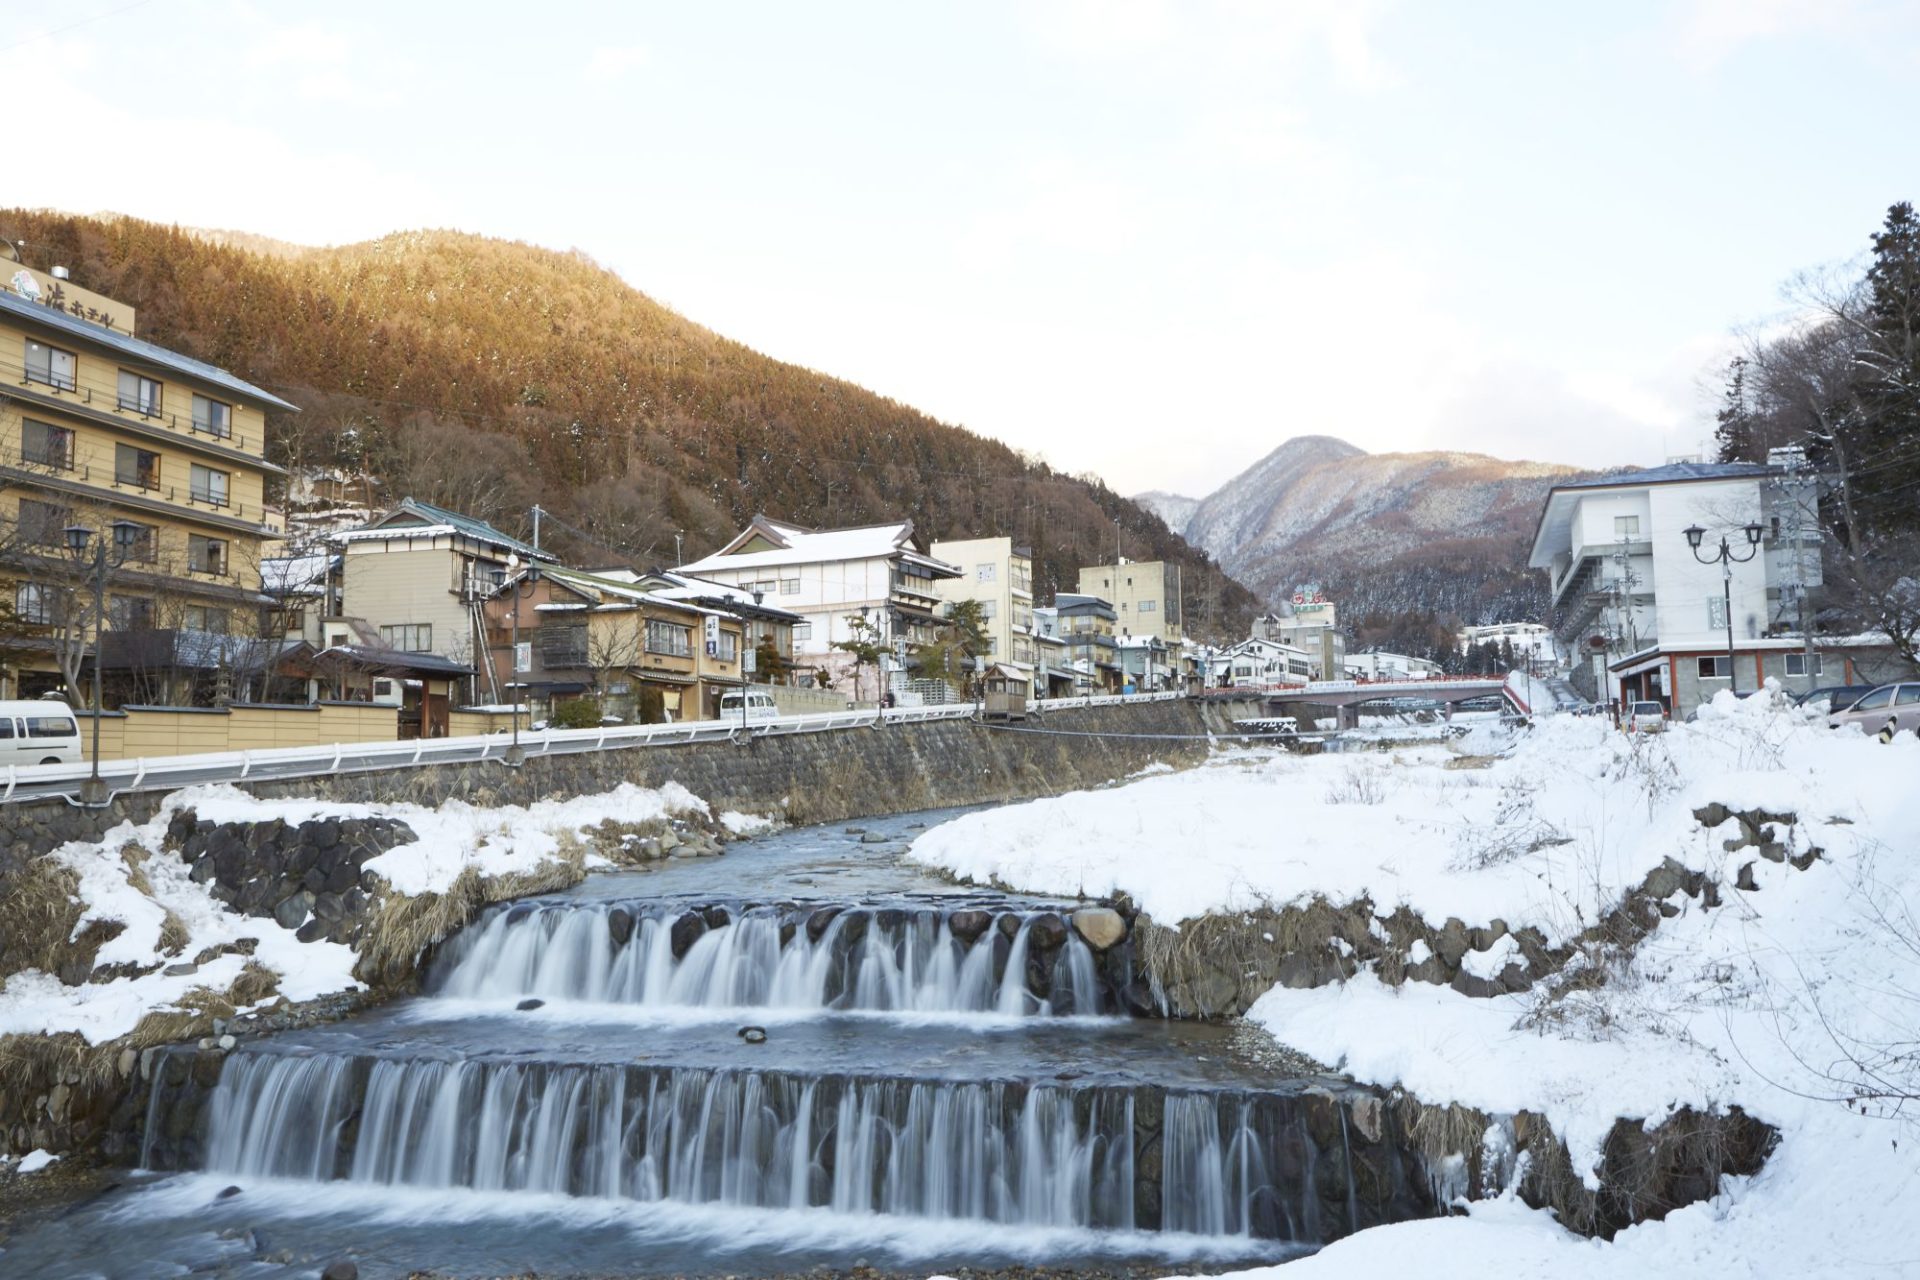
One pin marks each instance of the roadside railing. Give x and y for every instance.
(169, 773)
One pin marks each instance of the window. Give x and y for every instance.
(212, 417)
(51, 727)
(765, 587)
(139, 394)
(729, 646)
(137, 467)
(408, 637)
(206, 555)
(1148, 606)
(1626, 526)
(201, 617)
(1717, 613)
(669, 638)
(1908, 696)
(145, 539)
(1714, 668)
(1797, 664)
(803, 631)
(983, 573)
(46, 444)
(49, 366)
(563, 646)
(34, 603)
(1875, 701)
(209, 486)
(129, 613)
(789, 586)
(42, 524)
(988, 610)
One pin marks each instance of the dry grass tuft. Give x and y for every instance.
(173, 935)
(38, 915)
(136, 859)
(403, 927)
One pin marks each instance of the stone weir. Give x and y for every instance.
(1304, 1163)
(967, 1059)
(983, 957)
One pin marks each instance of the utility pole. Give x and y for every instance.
(537, 513)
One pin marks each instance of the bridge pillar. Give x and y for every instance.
(1447, 712)
(1349, 716)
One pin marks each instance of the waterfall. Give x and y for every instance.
(990, 1151)
(880, 961)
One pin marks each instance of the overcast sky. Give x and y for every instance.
(1147, 239)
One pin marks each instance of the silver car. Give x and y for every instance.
(1891, 706)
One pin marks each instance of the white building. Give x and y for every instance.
(1640, 612)
(1259, 664)
(1379, 665)
(1529, 640)
(878, 583)
(999, 574)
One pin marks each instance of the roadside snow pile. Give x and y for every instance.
(1793, 999)
(171, 945)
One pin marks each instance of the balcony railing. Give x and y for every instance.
(98, 395)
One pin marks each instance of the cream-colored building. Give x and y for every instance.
(999, 574)
(98, 428)
(1145, 595)
(415, 580)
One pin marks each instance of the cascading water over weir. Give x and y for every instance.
(951, 1061)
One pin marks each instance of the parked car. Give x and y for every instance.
(760, 707)
(1838, 697)
(1646, 717)
(1891, 706)
(43, 732)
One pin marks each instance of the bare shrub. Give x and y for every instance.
(1362, 783)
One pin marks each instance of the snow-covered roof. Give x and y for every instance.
(792, 544)
(295, 575)
(416, 519)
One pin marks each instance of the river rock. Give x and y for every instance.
(1101, 927)
(686, 931)
(817, 922)
(874, 837)
(1009, 924)
(293, 912)
(967, 926)
(182, 970)
(1046, 931)
(340, 1269)
(530, 1004)
(718, 918)
(620, 925)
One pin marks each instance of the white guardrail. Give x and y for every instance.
(168, 773)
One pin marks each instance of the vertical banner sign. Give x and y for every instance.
(749, 660)
(713, 636)
(523, 657)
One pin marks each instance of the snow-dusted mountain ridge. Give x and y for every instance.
(1440, 531)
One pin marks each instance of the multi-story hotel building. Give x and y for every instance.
(98, 427)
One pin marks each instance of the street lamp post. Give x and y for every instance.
(746, 637)
(93, 792)
(516, 756)
(1726, 559)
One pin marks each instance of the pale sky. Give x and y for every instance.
(1146, 239)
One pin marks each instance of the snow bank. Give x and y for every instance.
(1760, 1003)
(152, 892)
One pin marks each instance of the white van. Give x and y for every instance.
(760, 707)
(43, 732)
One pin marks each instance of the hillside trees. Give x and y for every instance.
(613, 412)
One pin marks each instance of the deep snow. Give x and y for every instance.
(1760, 1002)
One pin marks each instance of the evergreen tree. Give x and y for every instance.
(1887, 381)
(1735, 432)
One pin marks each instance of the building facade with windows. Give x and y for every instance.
(99, 427)
(873, 585)
(999, 574)
(1644, 618)
(1085, 627)
(1145, 595)
(414, 580)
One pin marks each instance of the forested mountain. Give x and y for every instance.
(1407, 543)
(490, 375)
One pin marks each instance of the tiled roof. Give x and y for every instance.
(137, 349)
(1674, 472)
(435, 520)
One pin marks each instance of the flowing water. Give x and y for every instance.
(747, 1071)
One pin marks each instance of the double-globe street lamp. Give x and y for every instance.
(126, 534)
(1726, 559)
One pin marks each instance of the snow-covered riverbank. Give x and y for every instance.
(1792, 998)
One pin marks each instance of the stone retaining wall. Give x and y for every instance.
(813, 777)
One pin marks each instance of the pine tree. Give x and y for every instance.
(1735, 432)
(1887, 381)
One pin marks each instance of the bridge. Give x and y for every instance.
(1345, 696)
